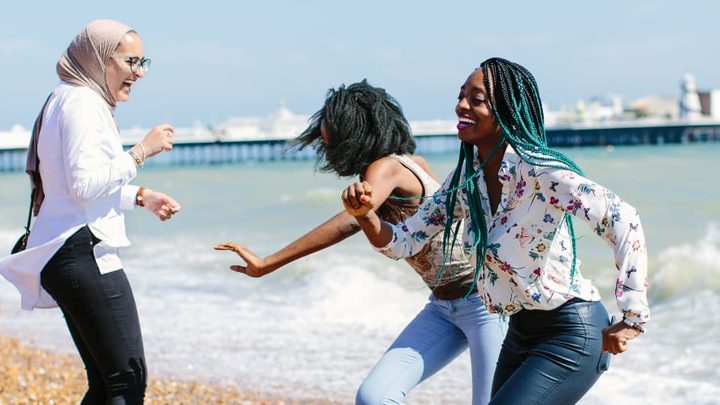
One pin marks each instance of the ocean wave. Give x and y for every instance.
(688, 268)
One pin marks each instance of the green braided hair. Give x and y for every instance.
(515, 101)
(364, 123)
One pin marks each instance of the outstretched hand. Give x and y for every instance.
(616, 337)
(357, 199)
(255, 267)
(160, 204)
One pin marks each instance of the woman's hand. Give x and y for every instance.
(616, 337)
(255, 267)
(159, 139)
(160, 204)
(357, 199)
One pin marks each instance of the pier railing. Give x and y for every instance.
(227, 152)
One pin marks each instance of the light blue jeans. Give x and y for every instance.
(437, 335)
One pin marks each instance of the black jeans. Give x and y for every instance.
(102, 318)
(551, 357)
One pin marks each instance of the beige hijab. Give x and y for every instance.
(83, 64)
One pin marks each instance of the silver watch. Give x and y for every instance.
(634, 325)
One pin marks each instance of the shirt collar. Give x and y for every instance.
(508, 165)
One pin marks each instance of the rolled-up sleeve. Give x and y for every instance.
(127, 197)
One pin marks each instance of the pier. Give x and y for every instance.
(622, 135)
(213, 152)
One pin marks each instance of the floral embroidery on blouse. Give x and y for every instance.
(529, 255)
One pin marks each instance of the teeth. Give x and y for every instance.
(466, 121)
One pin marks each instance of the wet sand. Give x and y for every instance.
(35, 376)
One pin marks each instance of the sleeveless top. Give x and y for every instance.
(457, 275)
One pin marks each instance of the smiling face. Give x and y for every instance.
(476, 121)
(118, 75)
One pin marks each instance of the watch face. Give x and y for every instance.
(139, 197)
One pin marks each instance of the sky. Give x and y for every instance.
(212, 60)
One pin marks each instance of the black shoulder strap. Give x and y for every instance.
(29, 218)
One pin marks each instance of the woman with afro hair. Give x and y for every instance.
(361, 131)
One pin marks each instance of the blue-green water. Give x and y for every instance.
(316, 327)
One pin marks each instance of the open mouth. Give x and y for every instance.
(464, 123)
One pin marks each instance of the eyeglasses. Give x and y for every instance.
(136, 63)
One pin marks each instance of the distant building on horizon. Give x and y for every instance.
(663, 107)
(710, 103)
(689, 100)
(691, 105)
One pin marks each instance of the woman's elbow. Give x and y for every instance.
(81, 192)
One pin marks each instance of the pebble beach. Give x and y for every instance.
(30, 375)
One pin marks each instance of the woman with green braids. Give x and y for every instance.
(519, 198)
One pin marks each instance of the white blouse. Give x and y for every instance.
(85, 174)
(529, 252)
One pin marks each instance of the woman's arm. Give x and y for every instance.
(385, 174)
(616, 222)
(92, 169)
(404, 239)
(333, 231)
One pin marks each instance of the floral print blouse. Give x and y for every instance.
(529, 254)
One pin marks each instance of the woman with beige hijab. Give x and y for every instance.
(81, 186)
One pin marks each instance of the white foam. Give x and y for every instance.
(316, 327)
(689, 267)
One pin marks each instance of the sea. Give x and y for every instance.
(314, 328)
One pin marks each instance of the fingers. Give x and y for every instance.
(166, 207)
(247, 270)
(363, 192)
(166, 127)
(616, 347)
(239, 269)
(167, 137)
(240, 250)
(171, 205)
(159, 139)
(250, 269)
(227, 246)
(622, 345)
(165, 212)
(614, 343)
(356, 195)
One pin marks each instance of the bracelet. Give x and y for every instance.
(139, 197)
(142, 148)
(139, 162)
(634, 325)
